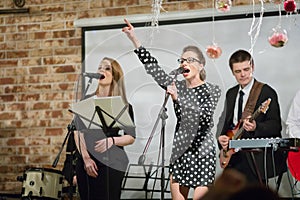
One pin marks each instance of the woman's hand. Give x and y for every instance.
(104, 144)
(90, 167)
(129, 30)
(74, 180)
(223, 140)
(172, 90)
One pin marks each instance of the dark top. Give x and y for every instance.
(115, 157)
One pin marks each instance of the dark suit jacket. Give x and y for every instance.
(268, 126)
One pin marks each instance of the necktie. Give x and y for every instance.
(240, 105)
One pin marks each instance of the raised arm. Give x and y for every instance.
(129, 30)
(150, 63)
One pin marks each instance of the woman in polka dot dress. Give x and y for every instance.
(193, 159)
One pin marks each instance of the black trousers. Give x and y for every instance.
(107, 186)
(242, 161)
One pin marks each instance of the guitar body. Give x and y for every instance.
(231, 133)
(225, 154)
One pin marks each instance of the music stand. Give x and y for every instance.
(110, 110)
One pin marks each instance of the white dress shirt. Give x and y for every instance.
(293, 119)
(246, 91)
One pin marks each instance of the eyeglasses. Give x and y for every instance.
(105, 68)
(188, 60)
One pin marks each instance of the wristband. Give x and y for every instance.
(113, 140)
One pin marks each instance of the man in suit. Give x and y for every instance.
(265, 125)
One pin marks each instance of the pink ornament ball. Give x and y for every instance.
(278, 39)
(289, 6)
(223, 5)
(213, 51)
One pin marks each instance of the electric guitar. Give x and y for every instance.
(236, 133)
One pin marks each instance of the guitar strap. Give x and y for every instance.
(249, 109)
(253, 96)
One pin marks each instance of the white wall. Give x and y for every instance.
(276, 66)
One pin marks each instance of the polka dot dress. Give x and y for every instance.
(193, 159)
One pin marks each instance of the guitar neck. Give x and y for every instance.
(238, 133)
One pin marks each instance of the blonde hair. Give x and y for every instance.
(117, 86)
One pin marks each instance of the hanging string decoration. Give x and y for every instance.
(154, 22)
(278, 36)
(223, 5)
(156, 7)
(213, 51)
(290, 6)
(255, 26)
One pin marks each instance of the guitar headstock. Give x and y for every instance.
(265, 106)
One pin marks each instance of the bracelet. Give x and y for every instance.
(113, 140)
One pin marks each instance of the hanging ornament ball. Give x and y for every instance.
(213, 51)
(277, 2)
(289, 6)
(278, 37)
(223, 5)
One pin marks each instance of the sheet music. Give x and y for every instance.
(112, 108)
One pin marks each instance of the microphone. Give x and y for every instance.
(177, 71)
(94, 75)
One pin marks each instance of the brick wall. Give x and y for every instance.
(40, 57)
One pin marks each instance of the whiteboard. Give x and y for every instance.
(278, 67)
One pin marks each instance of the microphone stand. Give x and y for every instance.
(163, 116)
(71, 128)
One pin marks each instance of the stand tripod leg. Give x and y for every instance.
(70, 147)
(256, 168)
